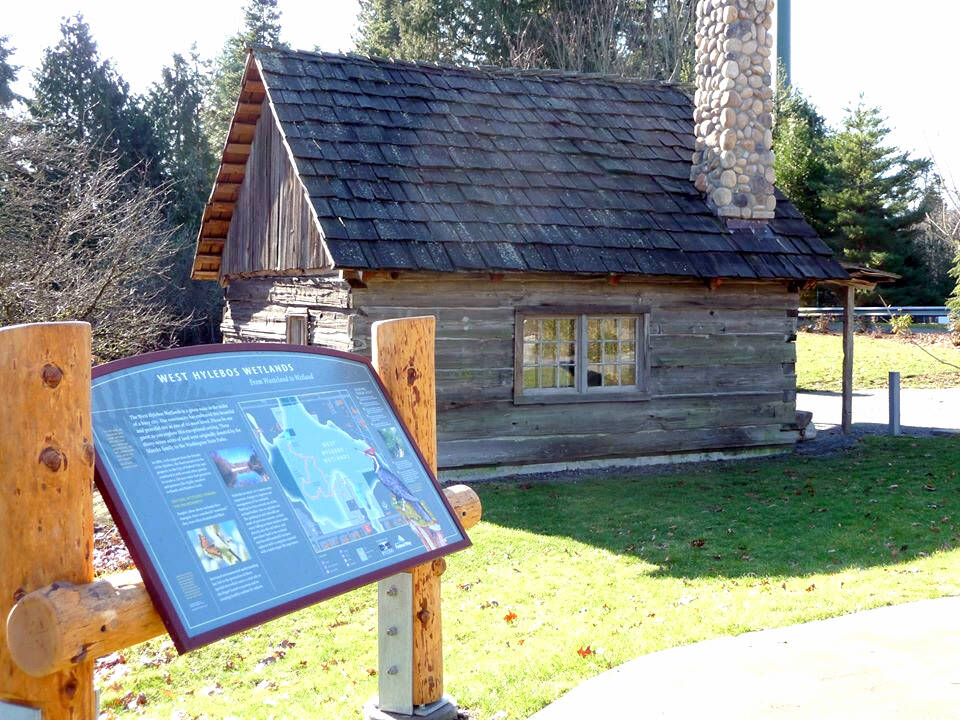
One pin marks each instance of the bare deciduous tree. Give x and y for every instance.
(78, 241)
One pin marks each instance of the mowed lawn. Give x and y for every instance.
(820, 363)
(567, 580)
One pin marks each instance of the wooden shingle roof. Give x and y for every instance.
(412, 166)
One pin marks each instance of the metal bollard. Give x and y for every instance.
(894, 403)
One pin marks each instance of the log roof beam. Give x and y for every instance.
(221, 203)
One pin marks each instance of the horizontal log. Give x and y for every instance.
(248, 108)
(242, 132)
(517, 449)
(242, 149)
(61, 625)
(233, 169)
(717, 410)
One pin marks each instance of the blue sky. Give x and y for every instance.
(900, 56)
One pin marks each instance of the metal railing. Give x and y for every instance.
(920, 313)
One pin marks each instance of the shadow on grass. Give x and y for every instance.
(885, 500)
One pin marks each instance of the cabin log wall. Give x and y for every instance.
(722, 366)
(256, 310)
(722, 360)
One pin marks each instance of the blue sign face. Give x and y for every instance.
(251, 482)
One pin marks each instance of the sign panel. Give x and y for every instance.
(252, 480)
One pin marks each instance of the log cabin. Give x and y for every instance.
(613, 274)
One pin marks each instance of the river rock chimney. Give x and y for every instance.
(733, 157)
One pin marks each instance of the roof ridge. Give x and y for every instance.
(489, 70)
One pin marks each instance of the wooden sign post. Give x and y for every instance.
(403, 354)
(56, 620)
(46, 504)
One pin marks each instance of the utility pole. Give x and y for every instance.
(783, 41)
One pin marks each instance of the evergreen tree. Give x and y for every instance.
(84, 98)
(185, 160)
(187, 164)
(378, 32)
(875, 199)
(261, 26)
(800, 136)
(953, 302)
(653, 38)
(8, 74)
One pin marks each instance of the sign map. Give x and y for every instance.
(252, 480)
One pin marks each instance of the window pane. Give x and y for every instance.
(548, 344)
(628, 375)
(593, 352)
(593, 328)
(609, 328)
(530, 378)
(530, 333)
(628, 328)
(610, 375)
(594, 375)
(548, 377)
(529, 353)
(628, 351)
(610, 351)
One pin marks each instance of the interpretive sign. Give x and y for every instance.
(252, 480)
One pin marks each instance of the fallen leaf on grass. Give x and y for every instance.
(371, 672)
(510, 617)
(698, 543)
(584, 651)
(812, 587)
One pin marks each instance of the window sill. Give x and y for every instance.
(576, 398)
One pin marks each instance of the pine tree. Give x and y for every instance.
(954, 300)
(628, 37)
(799, 138)
(378, 32)
(185, 160)
(84, 98)
(875, 199)
(261, 26)
(187, 164)
(8, 74)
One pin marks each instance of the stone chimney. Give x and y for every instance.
(733, 159)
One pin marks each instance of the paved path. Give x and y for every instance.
(896, 662)
(929, 409)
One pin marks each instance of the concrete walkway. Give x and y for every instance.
(895, 662)
(927, 409)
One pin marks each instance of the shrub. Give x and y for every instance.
(900, 324)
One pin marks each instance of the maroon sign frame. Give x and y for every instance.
(126, 524)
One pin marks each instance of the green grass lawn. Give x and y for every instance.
(596, 573)
(820, 362)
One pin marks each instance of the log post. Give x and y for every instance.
(403, 354)
(846, 409)
(46, 504)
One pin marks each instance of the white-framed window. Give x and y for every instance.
(298, 327)
(580, 355)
